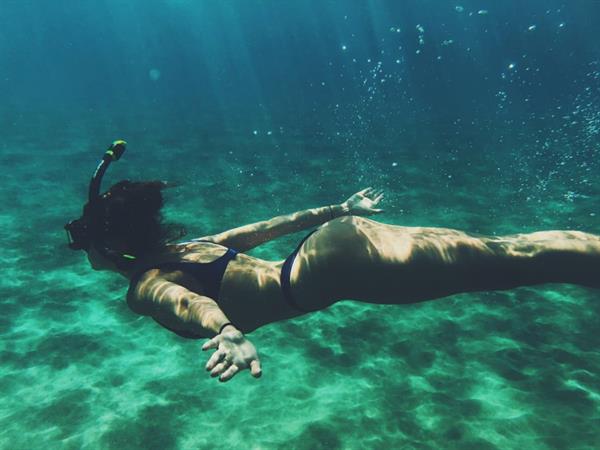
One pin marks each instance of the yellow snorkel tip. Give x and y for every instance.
(116, 149)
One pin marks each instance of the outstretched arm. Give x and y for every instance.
(252, 235)
(181, 309)
(249, 236)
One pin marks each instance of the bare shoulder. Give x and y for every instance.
(138, 294)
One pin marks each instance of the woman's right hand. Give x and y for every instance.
(363, 203)
(233, 353)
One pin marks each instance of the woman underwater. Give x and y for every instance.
(208, 287)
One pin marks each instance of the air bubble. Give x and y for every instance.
(154, 74)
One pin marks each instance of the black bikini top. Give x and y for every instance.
(209, 274)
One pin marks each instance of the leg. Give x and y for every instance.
(360, 259)
(550, 257)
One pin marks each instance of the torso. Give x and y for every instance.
(250, 293)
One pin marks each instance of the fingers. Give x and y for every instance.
(255, 369)
(377, 194)
(225, 369)
(220, 368)
(215, 358)
(229, 373)
(213, 343)
(229, 358)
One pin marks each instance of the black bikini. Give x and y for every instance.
(285, 277)
(211, 274)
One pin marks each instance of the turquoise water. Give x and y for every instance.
(256, 109)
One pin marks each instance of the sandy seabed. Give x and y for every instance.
(498, 370)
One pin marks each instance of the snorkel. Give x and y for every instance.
(90, 228)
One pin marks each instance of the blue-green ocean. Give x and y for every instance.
(478, 115)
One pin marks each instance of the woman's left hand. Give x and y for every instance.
(234, 353)
(364, 202)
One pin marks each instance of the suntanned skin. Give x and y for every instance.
(349, 257)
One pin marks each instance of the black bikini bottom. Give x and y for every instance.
(286, 269)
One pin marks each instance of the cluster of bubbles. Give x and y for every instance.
(502, 97)
(586, 113)
(566, 156)
(384, 73)
(421, 36)
(461, 9)
(385, 77)
(374, 78)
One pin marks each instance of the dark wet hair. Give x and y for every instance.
(133, 220)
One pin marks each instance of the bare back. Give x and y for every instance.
(250, 293)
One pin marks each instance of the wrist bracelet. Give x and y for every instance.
(331, 212)
(225, 325)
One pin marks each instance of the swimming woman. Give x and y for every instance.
(209, 288)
